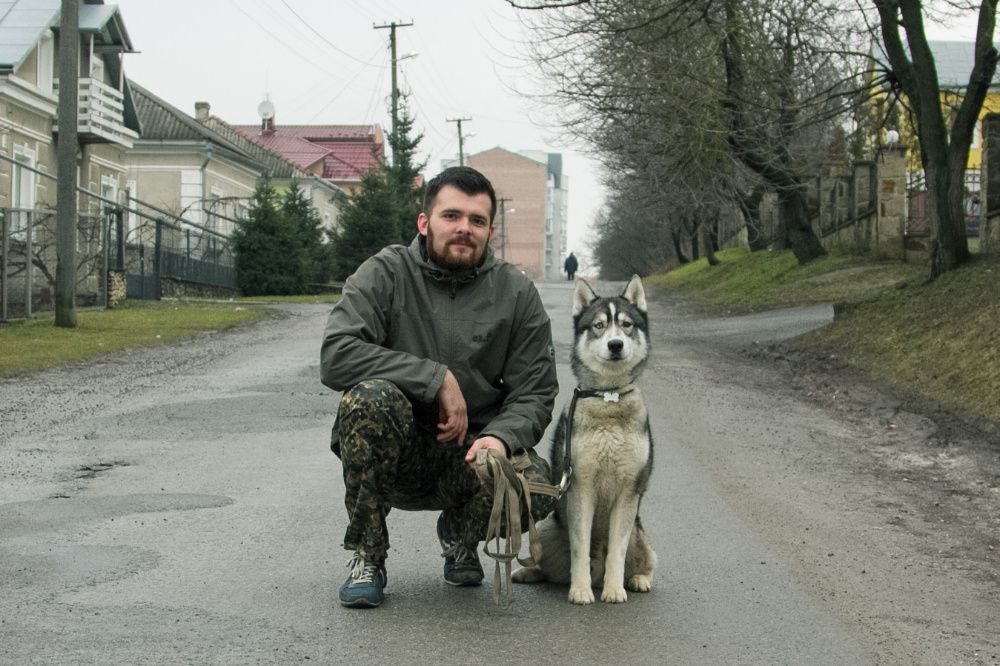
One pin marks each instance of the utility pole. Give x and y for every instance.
(461, 153)
(502, 241)
(66, 147)
(395, 89)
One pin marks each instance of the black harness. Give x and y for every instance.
(609, 395)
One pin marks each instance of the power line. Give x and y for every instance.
(325, 40)
(340, 92)
(282, 42)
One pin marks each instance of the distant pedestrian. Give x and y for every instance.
(442, 350)
(570, 266)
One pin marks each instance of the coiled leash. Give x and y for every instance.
(510, 490)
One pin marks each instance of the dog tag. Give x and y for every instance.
(611, 396)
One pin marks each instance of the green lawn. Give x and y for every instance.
(745, 281)
(37, 344)
(940, 339)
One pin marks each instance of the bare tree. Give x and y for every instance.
(944, 142)
(688, 89)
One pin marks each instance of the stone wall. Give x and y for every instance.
(172, 288)
(842, 203)
(117, 291)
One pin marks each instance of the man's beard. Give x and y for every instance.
(451, 263)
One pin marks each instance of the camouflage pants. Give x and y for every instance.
(391, 461)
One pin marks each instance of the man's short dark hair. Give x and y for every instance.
(463, 178)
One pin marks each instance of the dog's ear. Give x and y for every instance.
(582, 297)
(634, 293)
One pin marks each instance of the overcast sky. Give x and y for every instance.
(231, 53)
(322, 62)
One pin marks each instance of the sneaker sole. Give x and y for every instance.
(471, 583)
(360, 603)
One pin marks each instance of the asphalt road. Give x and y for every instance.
(181, 505)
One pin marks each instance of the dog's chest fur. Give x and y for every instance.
(611, 444)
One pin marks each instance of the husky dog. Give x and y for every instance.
(595, 533)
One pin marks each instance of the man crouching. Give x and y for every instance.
(442, 350)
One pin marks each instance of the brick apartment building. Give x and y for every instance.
(531, 222)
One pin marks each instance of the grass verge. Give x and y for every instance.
(747, 281)
(938, 339)
(37, 344)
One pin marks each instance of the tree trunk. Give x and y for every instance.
(772, 163)
(675, 235)
(944, 153)
(709, 250)
(750, 207)
(798, 232)
(710, 240)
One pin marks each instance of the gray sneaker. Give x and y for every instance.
(461, 562)
(364, 587)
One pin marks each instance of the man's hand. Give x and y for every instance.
(488, 442)
(452, 411)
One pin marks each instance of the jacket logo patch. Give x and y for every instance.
(482, 338)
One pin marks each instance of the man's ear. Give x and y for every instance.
(582, 297)
(422, 223)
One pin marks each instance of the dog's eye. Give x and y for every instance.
(626, 324)
(598, 326)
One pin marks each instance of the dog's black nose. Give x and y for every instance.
(616, 346)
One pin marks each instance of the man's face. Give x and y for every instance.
(458, 228)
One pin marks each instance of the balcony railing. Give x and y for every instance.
(101, 114)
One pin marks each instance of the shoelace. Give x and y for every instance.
(362, 571)
(460, 552)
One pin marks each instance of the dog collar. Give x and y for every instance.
(609, 395)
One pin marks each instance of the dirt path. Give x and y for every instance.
(891, 515)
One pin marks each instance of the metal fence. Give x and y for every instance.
(917, 220)
(28, 261)
(180, 260)
(157, 253)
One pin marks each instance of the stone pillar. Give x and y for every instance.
(891, 210)
(989, 223)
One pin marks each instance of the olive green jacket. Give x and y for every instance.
(404, 319)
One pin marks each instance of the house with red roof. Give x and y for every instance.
(342, 154)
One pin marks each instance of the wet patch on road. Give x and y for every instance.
(53, 515)
(257, 412)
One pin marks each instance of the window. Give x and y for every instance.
(22, 192)
(109, 190)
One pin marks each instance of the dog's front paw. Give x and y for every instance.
(579, 594)
(613, 595)
(640, 583)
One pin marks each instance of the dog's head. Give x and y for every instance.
(611, 335)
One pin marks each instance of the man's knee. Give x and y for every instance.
(373, 395)
(373, 413)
